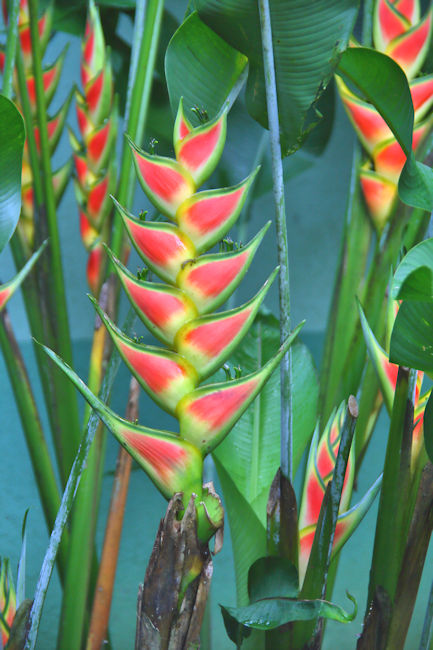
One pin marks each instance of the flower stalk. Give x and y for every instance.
(281, 229)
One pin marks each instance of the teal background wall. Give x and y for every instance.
(315, 206)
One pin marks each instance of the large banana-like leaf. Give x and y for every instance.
(195, 55)
(308, 39)
(12, 138)
(249, 457)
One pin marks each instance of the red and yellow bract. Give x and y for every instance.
(399, 32)
(94, 156)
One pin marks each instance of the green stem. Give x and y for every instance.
(57, 304)
(30, 135)
(367, 23)
(67, 501)
(32, 428)
(62, 324)
(11, 44)
(343, 317)
(85, 514)
(140, 88)
(392, 525)
(283, 256)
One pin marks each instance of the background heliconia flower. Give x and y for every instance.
(387, 374)
(7, 600)
(56, 123)
(95, 173)
(7, 289)
(320, 469)
(399, 32)
(179, 311)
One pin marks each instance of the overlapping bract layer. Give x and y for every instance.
(387, 374)
(55, 123)
(94, 156)
(400, 33)
(179, 312)
(320, 469)
(7, 601)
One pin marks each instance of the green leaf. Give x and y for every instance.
(386, 87)
(249, 457)
(412, 336)
(271, 577)
(12, 136)
(308, 40)
(413, 279)
(274, 612)
(248, 534)
(251, 453)
(201, 68)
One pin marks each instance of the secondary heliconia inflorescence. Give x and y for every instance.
(400, 32)
(320, 469)
(180, 313)
(8, 601)
(387, 374)
(55, 124)
(93, 157)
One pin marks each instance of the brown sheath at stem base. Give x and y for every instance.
(172, 600)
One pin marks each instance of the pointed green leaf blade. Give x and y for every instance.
(195, 55)
(307, 44)
(412, 336)
(274, 612)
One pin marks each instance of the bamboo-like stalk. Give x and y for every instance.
(283, 256)
(36, 443)
(62, 327)
(139, 103)
(11, 47)
(391, 529)
(107, 569)
(69, 433)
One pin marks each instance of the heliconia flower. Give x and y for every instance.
(179, 311)
(55, 124)
(8, 288)
(387, 374)
(399, 32)
(380, 195)
(7, 601)
(93, 154)
(320, 468)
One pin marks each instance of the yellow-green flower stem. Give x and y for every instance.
(11, 46)
(283, 255)
(140, 89)
(69, 437)
(33, 432)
